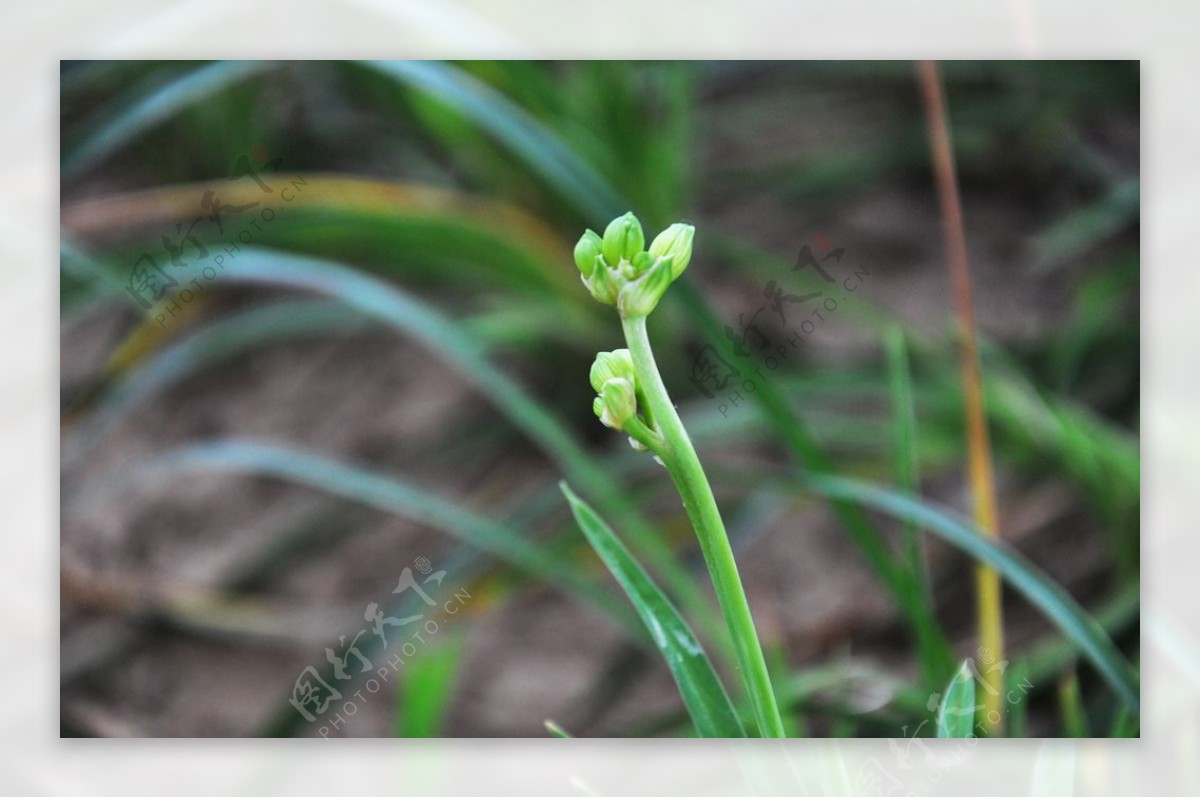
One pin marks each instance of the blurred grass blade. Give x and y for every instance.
(1018, 708)
(1124, 724)
(557, 731)
(130, 376)
(528, 138)
(934, 663)
(156, 106)
(392, 495)
(428, 233)
(956, 715)
(427, 688)
(701, 689)
(133, 373)
(1070, 704)
(1073, 234)
(82, 277)
(1023, 575)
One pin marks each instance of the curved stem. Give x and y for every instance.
(681, 461)
(640, 432)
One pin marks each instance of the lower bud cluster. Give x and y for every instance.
(616, 403)
(615, 383)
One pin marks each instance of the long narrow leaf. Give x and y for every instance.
(394, 496)
(1023, 575)
(425, 233)
(155, 106)
(512, 126)
(934, 661)
(701, 689)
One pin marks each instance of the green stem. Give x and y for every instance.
(679, 456)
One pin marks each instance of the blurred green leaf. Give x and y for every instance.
(1078, 231)
(427, 689)
(557, 731)
(214, 342)
(934, 659)
(392, 495)
(151, 106)
(525, 135)
(1070, 704)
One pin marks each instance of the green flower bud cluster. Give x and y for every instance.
(616, 404)
(618, 270)
(615, 383)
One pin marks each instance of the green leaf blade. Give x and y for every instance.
(701, 689)
(956, 715)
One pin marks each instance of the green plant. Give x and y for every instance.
(619, 270)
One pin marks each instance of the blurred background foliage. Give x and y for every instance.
(395, 366)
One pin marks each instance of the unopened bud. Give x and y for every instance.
(623, 238)
(675, 241)
(602, 282)
(586, 251)
(617, 364)
(640, 296)
(616, 404)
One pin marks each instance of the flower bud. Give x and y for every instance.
(586, 252)
(602, 283)
(616, 404)
(623, 238)
(639, 297)
(617, 364)
(675, 241)
(618, 270)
